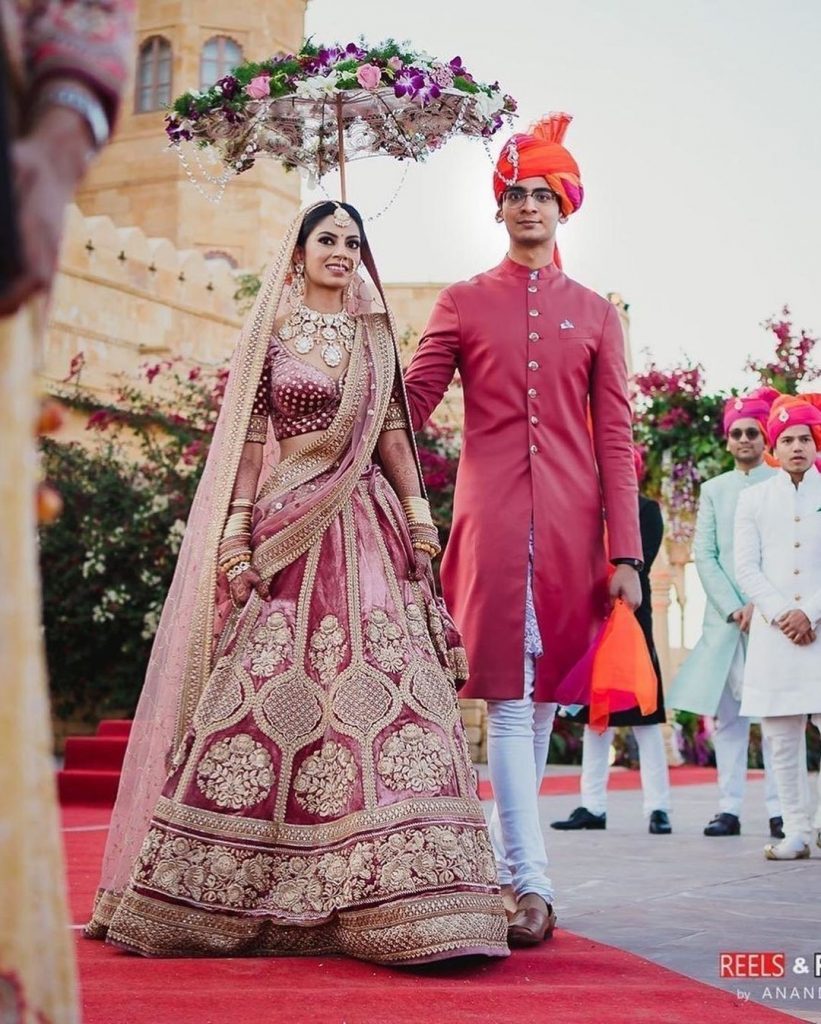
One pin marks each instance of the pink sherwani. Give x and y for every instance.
(532, 348)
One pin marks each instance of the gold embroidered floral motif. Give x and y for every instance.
(272, 643)
(414, 758)
(411, 860)
(236, 772)
(324, 781)
(327, 648)
(418, 627)
(384, 641)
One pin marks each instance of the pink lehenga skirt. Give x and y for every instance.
(324, 800)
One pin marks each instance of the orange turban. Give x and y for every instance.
(794, 411)
(540, 154)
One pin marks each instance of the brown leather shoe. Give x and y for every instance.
(533, 921)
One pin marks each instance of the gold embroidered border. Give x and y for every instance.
(395, 933)
(436, 810)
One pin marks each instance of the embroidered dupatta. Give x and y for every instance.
(196, 609)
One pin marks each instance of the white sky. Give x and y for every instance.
(698, 132)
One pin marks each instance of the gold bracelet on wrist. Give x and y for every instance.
(229, 563)
(429, 549)
(241, 503)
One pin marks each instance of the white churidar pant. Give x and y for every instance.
(655, 781)
(787, 736)
(518, 739)
(731, 741)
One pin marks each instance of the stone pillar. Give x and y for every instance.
(474, 716)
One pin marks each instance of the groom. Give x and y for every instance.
(547, 454)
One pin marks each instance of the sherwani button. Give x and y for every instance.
(533, 365)
(532, 392)
(534, 312)
(796, 572)
(533, 336)
(798, 519)
(534, 448)
(534, 420)
(532, 288)
(797, 597)
(797, 544)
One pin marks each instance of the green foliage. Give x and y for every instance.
(107, 562)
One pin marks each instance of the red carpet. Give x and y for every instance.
(570, 980)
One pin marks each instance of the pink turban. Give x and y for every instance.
(755, 406)
(795, 411)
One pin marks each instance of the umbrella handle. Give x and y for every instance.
(340, 134)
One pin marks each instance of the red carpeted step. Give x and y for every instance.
(80, 786)
(114, 727)
(95, 752)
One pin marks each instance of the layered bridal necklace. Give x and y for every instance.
(330, 331)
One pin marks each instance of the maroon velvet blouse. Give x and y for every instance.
(298, 397)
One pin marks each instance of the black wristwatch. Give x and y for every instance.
(634, 563)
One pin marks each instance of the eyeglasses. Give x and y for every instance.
(751, 433)
(517, 196)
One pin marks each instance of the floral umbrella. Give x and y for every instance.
(323, 106)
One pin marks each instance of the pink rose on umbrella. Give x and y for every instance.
(258, 88)
(369, 76)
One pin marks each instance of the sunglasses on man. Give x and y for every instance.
(751, 433)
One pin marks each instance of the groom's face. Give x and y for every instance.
(530, 222)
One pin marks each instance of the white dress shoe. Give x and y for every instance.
(787, 849)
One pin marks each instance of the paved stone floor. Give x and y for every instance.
(680, 900)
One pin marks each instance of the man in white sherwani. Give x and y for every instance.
(778, 563)
(710, 680)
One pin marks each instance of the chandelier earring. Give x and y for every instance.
(298, 282)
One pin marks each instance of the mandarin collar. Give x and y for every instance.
(760, 470)
(811, 481)
(510, 268)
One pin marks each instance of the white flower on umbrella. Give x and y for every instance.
(317, 88)
(488, 106)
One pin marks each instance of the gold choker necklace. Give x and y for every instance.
(309, 328)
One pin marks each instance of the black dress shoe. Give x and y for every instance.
(724, 825)
(777, 827)
(660, 824)
(581, 818)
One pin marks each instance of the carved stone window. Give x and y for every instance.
(154, 69)
(219, 56)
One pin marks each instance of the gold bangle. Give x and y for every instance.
(239, 531)
(428, 549)
(417, 510)
(241, 503)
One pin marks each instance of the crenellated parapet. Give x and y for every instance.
(123, 299)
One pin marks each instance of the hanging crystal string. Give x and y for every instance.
(369, 218)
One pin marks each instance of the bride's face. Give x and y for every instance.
(331, 254)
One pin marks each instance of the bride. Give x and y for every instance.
(298, 779)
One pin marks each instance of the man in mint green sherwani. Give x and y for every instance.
(710, 681)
